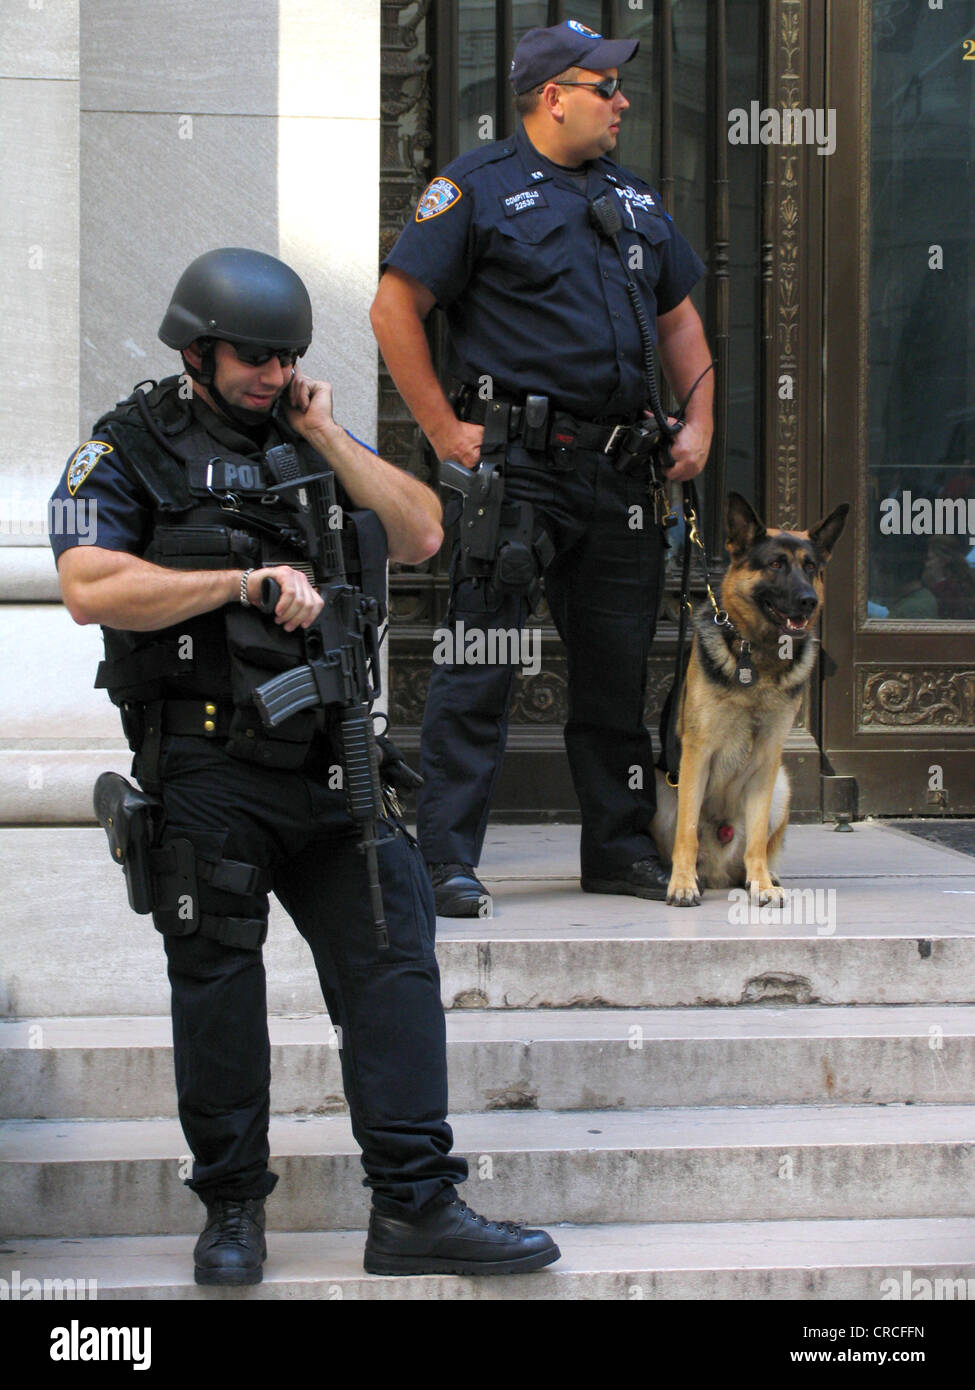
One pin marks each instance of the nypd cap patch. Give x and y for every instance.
(437, 198)
(84, 461)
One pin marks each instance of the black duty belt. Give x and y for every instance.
(564, 431)
(205, 718)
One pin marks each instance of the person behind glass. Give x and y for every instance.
(536, 304)
(194, 515)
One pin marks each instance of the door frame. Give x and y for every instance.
(898, 697)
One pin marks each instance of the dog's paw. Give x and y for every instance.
(683, 890)
(766, 892)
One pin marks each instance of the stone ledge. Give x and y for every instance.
(28, 574)
(45, 786)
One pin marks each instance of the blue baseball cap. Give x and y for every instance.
(543, 53)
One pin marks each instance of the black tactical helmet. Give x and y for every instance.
(240, 296)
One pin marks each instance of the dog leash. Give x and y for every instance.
(669, 762)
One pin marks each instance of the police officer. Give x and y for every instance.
(190, 519)
(534, 288)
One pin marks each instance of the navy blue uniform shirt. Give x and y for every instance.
(534, 297)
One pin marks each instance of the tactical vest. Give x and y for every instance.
(211, 510)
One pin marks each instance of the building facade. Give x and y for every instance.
(819, 156)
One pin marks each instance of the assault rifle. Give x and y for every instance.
(342, 657)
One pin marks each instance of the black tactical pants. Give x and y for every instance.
(603, 589)
(384, 1005)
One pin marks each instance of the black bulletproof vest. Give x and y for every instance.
(210, 511)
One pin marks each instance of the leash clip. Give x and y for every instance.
(610, 444)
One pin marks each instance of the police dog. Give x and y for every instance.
(725, 824)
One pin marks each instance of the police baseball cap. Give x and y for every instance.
(543, 53)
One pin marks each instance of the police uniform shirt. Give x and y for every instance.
(534, 297)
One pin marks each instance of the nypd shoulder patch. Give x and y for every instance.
(437, 197)
(84, 461)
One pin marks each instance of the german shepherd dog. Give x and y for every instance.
(725, 823)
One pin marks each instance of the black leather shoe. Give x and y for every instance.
(458, 892)
(231, 1248)
(647, 878)
(452, 1239)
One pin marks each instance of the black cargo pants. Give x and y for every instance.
(384, 1005)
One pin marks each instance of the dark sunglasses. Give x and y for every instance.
(258, 356)
(607, 88)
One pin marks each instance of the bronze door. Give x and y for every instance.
(899, 406)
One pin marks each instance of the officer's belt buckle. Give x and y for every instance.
(612, 442)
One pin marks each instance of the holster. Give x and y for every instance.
(164, 880)
(127, 816)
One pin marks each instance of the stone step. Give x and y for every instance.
(116, 1177)
(899, 929)
(546, 1059)
(814, 1260)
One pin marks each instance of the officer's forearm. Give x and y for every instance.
(120, 590)
(409, 510)
(684, 355)
(398, 326)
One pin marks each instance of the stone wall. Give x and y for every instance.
(136, 137)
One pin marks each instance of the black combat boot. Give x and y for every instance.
(231, 1248)
(647, 878)
(458, 892)
(452, 1239)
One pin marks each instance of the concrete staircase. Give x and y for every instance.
(697, 1105)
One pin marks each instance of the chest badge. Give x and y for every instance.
(84, 461)
(437, 198)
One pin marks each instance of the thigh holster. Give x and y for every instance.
(165, 879)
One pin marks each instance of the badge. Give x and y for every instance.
(629, 194)
(84, 461)
(437, 198)
(521, 202)
(583, 29)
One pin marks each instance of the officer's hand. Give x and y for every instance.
(309, 404)
(460, 440)
(299, 604)
(689, 449)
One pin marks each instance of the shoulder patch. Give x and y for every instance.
(84, 461)
(437, 198)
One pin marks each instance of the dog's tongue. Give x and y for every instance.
(726, 833)
(796, 624)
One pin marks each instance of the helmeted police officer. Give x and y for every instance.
(554, 268)
(198, 494)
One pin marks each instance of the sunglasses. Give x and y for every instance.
(607, 88)
(258, 356)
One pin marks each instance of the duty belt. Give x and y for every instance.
(564, 431)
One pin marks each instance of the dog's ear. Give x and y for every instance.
(745, 527)
(827, 533)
